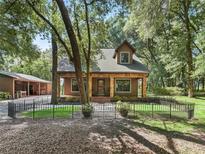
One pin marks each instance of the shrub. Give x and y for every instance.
(72, 99)
(123, 108)
(124, 98)
(175, 91)
(87, 110)
(168, 91)
(5, 95)
(160, 91)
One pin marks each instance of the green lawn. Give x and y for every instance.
(178, 123)
(58, 112)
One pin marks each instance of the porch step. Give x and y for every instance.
(101, 99)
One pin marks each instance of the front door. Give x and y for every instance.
(101, 86)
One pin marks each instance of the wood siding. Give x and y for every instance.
(124, 48)
(109, 83)
(7, 85)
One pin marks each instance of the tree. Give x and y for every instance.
(172, 27)
(39, 67)
(16, 32)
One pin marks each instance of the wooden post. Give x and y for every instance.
(112, 84)
(39, 88)
(28, 89)
(13, 90)
(144, 87)
(90, 87)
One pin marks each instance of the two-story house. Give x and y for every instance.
(117, 72)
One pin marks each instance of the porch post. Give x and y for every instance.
(28, 88)
(136, 80)
(112, 84)
(13, 89)
(90, 87)
(39, 88)
(58, 86)
(144, 86)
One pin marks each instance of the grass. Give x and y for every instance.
(179, 124)
(58, 112)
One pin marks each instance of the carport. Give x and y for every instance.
(22, 85)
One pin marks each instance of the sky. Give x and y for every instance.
(42, 44)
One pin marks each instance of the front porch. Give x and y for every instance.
(105, 85)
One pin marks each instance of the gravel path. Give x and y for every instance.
(88, 136)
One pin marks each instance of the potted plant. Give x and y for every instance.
(87, 110)
(123, 108)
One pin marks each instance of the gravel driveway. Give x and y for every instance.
(88, 136)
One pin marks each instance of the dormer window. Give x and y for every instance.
(125, 57)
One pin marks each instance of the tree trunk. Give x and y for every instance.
(54, 70)
(188, 48)
(75, 49)
(88, 59)
(203, 83)
(198, 84)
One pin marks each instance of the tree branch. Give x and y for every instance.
(52, 27)
(10, 6)
(79, 34)
(197, 47)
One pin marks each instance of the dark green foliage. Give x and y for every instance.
(4, 95)
(168, 91)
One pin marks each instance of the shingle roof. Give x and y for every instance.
(106, 63)
(24, 77)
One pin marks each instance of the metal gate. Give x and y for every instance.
(105, 110)
(11, 109)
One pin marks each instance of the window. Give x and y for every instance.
(123, 85)
(74, 85)
(124, 57)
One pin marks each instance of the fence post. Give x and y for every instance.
(24, 105)
(53, 111)
(72, 110)
(33, 109)
(170, 114)
(115, 111)
(103, 110)
(152, 110)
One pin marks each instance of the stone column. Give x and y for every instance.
(144, 87)
(112, 85)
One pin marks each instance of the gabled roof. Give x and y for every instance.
(123, 43)
(106, 63)
(23, 77)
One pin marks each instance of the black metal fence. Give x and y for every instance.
(170, 110)
(43, 109)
